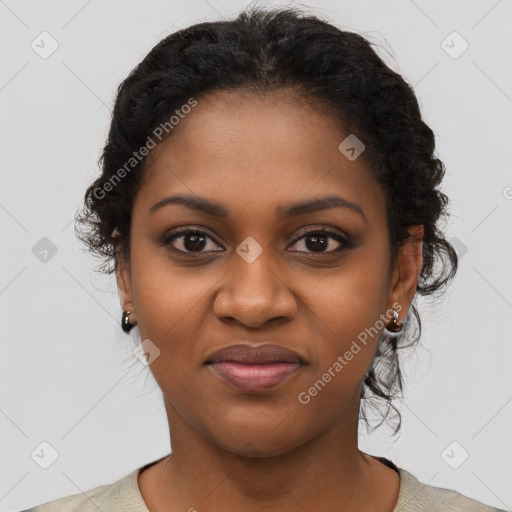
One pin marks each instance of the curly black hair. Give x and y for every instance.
(265, 50)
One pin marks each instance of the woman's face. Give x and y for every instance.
(253, 276)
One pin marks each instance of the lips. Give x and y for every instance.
(260, 354)
(254, 368)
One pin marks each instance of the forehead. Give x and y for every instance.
(245, 149)
(236, 124)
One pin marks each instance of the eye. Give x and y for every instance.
(190, 241)
(317, 241)
(196, 242)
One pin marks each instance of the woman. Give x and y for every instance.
(269, 202)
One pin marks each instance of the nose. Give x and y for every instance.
(254, 294)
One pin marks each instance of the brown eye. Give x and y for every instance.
(323, 241)
(190, 241)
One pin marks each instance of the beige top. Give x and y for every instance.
(124, 496)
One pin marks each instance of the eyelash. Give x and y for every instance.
(345, 243)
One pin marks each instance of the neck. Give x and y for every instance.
(319, 474)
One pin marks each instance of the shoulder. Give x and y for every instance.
(120, 496)
(415, 496)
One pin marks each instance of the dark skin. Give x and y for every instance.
(252, 154)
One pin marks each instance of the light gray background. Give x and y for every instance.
(67, 375)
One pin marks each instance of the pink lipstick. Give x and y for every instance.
(254, 368)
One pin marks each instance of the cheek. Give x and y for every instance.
(345, 315)
(346, 307)
(166, 297)
(342, 352)
(340, 361)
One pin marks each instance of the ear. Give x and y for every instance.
(124, 287)
(407, 271)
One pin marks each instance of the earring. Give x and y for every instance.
(125, 322)
(395, 328)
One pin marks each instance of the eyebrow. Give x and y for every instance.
(209, 207)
